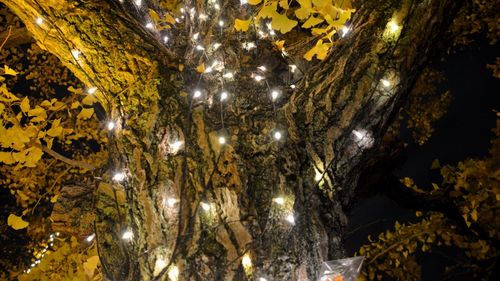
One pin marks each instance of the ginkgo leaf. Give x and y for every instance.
(89, 100)
(305, 9)
(55, 130)
(25, 105)
(283, 23)
(33, 156)
(284, 4)
(280, 44)
(54, 198)
(9, 71)
(154, 15)
(75, 104)
(268, 11)
(321, 3)
(86, 113)
(6, 157)
(16, 222)
(312, 21)
(254, 2)
(320, 50)
(242, 25)
(169, 19)
(90, 265)
(200, 68)
(37, 111)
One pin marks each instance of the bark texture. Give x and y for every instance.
(141, 87)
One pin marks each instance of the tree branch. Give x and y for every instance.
(67, 160)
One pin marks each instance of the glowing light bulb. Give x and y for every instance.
(118, 177)
(275, 94)
(222, 140)
(262, 279)
(57, 233)
(216, 46)
(359, 135)
(90, 237)
(160, 264)
(203, 17)
(91, 90)
(205, 206)
(28, 271)
(249, 45)
(173, 273)
(317, 175)
(293, 67)
(33, 265)
(149, 25)
(196, 36)
(127, 235)
(277, 135)
(183, 10)
(243, 2)
(262, 68)
(170, 202)
(344, 30)
(223, 96)
(75, 54)
(111, 125)
(386, 83)
(293, 86)
(221, 23)
(393, 26)
(200, 48)
(279, 200)
(290, 219)
(258, 78)
(176, 146)
(217, 6)
(165, 39)
(138, 2)
(272, 32)
(246, 261)
(39, 21)
(197, 94)
(228, 75)
(261, 33)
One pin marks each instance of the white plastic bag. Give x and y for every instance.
(341, 270)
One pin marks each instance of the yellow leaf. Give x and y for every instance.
(16, 222)
(282, 23)
(154, 16)
(321, 3)
(242, 25)
(268, 11)
(75, 104)
(473, 215)
(320, 51)
(6, 157)
(25, 104)
(86, 113)
(54, 198)
(284, 4)
(169, 19)
(305, 9)
(254, 2)
(181, 67)
(9, 71)
(436, 164)
(89, 100)
(34, 155)
(90, 265)
(312, 21)
(280, 44)
(200, 68)
(37, 111)
(55, 130)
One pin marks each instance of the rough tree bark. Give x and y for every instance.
(141, 87)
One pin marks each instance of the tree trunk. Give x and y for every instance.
(336, 115)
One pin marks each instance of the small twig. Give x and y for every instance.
(67, 160)
(6, 37)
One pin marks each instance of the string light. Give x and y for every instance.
(75, 53)
(363, 138)
(392, 26)
(221, 23)
(200, 48)
(217, 6)
(160, 264)
(277, 135)
(279, 200)
(262, 279)
(91, 90)
(344, 30)
(293, 67)
(111, 125)
(246, 262)
(170, 202)
(216, 46)
(290, 219)
(127, 235)
(243, 2)
(90, 237)
(138, 2)
(39, 21)
(176, 146)
(249, 46)
(118, 177)
(165, 39)
(197, 94)
(203, 17)
(275, 94)
(222, 140)
(228, 75)
(293, 86)
(317, 175)
(258, 78)
(223, 96)
(262, 68)
(205, 206)
(173, 273)
(386, 83)
(149, 25)
(196, 35)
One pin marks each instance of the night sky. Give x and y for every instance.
(464, 132)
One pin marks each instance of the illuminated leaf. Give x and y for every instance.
(284, 4)
(305, 9)
(268, 11)
(320, 51)
(9, 71)
(6, 157)
(200, 68)
(154, 15)
(254, 2)
(242, 25)
(321, 3)
(312, 21)
(169, 19)
(90, 265)
(280, 44)
(89, 100)
(283, 23)
(34, 154)
(25, 105)
(54, 198)
(16, 222)
(86, 113)
(55, 130)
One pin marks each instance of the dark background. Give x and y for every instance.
(464, 132)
